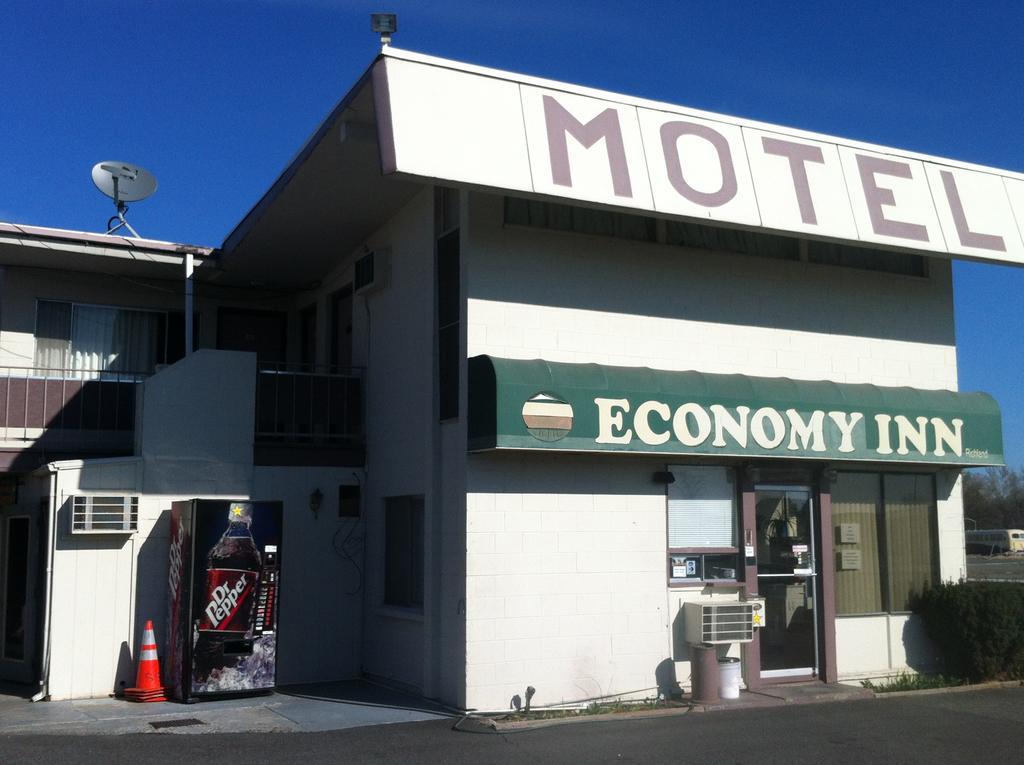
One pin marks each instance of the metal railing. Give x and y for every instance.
(35, 400)
(309, 404)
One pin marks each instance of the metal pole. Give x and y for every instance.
(189, 265)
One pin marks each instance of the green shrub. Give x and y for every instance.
(978, 627)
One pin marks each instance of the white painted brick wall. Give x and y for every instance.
(562, 297)
(711, 347)
(583, 610)
(566, 565)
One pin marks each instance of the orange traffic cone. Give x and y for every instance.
(147, 680)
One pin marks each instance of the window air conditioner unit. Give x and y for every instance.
(104, 515)
(371, 272)
(711, 622)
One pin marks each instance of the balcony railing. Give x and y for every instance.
(304, 414)
(301, 404)
(35, 402)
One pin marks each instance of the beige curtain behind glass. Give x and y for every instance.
(910, 521)
(856, 499)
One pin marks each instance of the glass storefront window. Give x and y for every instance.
(911, 536)
(885, 540)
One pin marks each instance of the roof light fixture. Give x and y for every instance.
(385, 24)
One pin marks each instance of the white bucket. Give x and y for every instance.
(729, 678)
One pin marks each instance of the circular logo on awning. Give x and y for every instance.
(547, 417)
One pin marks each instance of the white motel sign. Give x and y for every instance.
(502, 131)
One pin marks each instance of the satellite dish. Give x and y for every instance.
(123, 183)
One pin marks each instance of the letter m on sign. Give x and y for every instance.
(605, 125)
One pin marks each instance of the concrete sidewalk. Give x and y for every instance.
(320, 707)
(336, 706)
(771, 696)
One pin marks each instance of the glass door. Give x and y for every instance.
(786, 576)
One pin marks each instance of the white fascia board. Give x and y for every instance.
(59, 238)
(144, 256)
(77, 464)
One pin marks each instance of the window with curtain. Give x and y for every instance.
(886, 540)
(98, 338)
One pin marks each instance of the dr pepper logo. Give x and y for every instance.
(229, 603)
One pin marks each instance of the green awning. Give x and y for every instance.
(537, 404)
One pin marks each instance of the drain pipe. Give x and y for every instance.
(51, 536)
(189, 300)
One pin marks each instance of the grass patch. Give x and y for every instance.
(911, 682)
(617, 706)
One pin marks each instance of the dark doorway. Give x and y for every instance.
(260, 332)
(307, 335)
(341, 327)
(18, 592)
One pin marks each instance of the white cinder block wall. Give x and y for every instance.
(566, 577)
(395, 326)
(575, 298)
(566, 564)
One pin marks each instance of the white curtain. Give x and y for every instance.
(114, 339)
(53, 335)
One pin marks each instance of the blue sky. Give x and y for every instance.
(215, 97)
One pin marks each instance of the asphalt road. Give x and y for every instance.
(933, 728)
(1010, 567)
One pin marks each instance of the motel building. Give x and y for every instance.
(532, 367)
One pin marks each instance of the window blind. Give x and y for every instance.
(701, 507)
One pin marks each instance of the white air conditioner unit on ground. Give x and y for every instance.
(371, 272)
(104, 514)
(712, 622)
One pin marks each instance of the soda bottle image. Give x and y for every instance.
(228, 607)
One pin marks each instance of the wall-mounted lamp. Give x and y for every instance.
(664, 477)
(315, 500)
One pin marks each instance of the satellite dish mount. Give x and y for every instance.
(123, 183)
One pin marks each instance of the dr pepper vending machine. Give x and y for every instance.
(224, 578)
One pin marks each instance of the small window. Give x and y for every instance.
(449, 316)
(759, 245)
(580, 220)
(849, 256)
(403, 552)
(349, 500)
(702, 524)
(104, 515)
